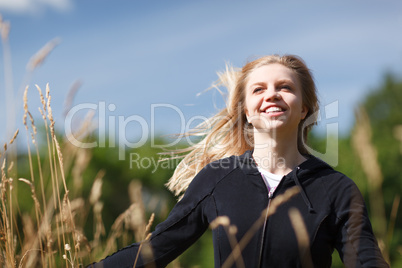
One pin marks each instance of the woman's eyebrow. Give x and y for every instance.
(258, 84)
(280, 81)
(285, 81)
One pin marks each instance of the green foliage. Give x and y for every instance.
(383, 107)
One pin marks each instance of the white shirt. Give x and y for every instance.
(271, 180)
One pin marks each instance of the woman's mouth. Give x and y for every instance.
(274, 111)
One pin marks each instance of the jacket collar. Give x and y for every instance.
(312, 164)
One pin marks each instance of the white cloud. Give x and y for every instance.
(34, 6)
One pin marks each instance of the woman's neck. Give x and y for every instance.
(277, 152)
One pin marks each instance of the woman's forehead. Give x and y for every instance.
(272, 72)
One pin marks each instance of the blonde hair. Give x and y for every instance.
(228, 132)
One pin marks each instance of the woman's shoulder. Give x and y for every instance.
(337, 185)
(209, 176)
(223, 164)
(322, 169)
(218, 169)
(334, 180)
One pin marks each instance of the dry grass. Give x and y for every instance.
(52, 233)
(367, 153)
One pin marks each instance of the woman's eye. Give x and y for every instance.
(287, 87)
(258, 89)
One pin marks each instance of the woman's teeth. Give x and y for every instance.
(273, 110)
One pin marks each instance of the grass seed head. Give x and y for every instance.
(5, 29)
(42, 98)
(222, 220)
(40, 56)
(24, 119)
(32, 123)
(151, 220)
(96, 191)
(10, 167)
(15, 136)
(47, 91)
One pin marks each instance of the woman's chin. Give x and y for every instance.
(272, 127)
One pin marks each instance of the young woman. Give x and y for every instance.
(271, 204)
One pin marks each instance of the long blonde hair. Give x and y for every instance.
(228, 132)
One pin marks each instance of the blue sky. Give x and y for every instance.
(132, 54)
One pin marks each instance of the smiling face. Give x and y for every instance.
(273, 99)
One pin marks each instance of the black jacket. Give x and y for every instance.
(330, 204)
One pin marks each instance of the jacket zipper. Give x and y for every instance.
(270, 196)
(264, 228)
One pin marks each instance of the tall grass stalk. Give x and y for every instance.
(367, 153)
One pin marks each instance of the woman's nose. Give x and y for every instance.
(271, 94)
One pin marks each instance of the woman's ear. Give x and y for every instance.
(304, 112)
(246, 114)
